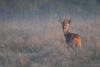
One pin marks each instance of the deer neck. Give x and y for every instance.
(66, 31)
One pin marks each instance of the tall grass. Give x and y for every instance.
(42, 43)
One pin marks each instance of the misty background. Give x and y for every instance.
(30, 35)
(43, 9)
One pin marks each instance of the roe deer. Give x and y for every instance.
(72, 39)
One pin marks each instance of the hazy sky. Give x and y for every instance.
(23, 9)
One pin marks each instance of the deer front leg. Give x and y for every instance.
(68, 52)
(74, 52)
(73, 47)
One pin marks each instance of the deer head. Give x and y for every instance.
(64, 23)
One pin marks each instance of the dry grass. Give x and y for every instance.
(42, 44)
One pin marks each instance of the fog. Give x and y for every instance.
(32, 36)
(28, 10)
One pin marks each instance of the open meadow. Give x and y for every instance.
(42, 44)
(32, 36)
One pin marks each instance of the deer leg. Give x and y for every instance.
(81, 52)
(69, 51)
(80, 49)
(73, 46)
(74, 52)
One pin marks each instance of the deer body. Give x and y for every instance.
(72, 39)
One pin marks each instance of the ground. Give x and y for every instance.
(42, 44)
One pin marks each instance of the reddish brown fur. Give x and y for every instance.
(72, 39)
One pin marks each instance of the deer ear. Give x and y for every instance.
(69, 21)
(60, 20)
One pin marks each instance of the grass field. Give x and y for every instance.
(42, 43)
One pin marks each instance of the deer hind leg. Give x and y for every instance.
(81, 51)
(80, 48)
(80, 45)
